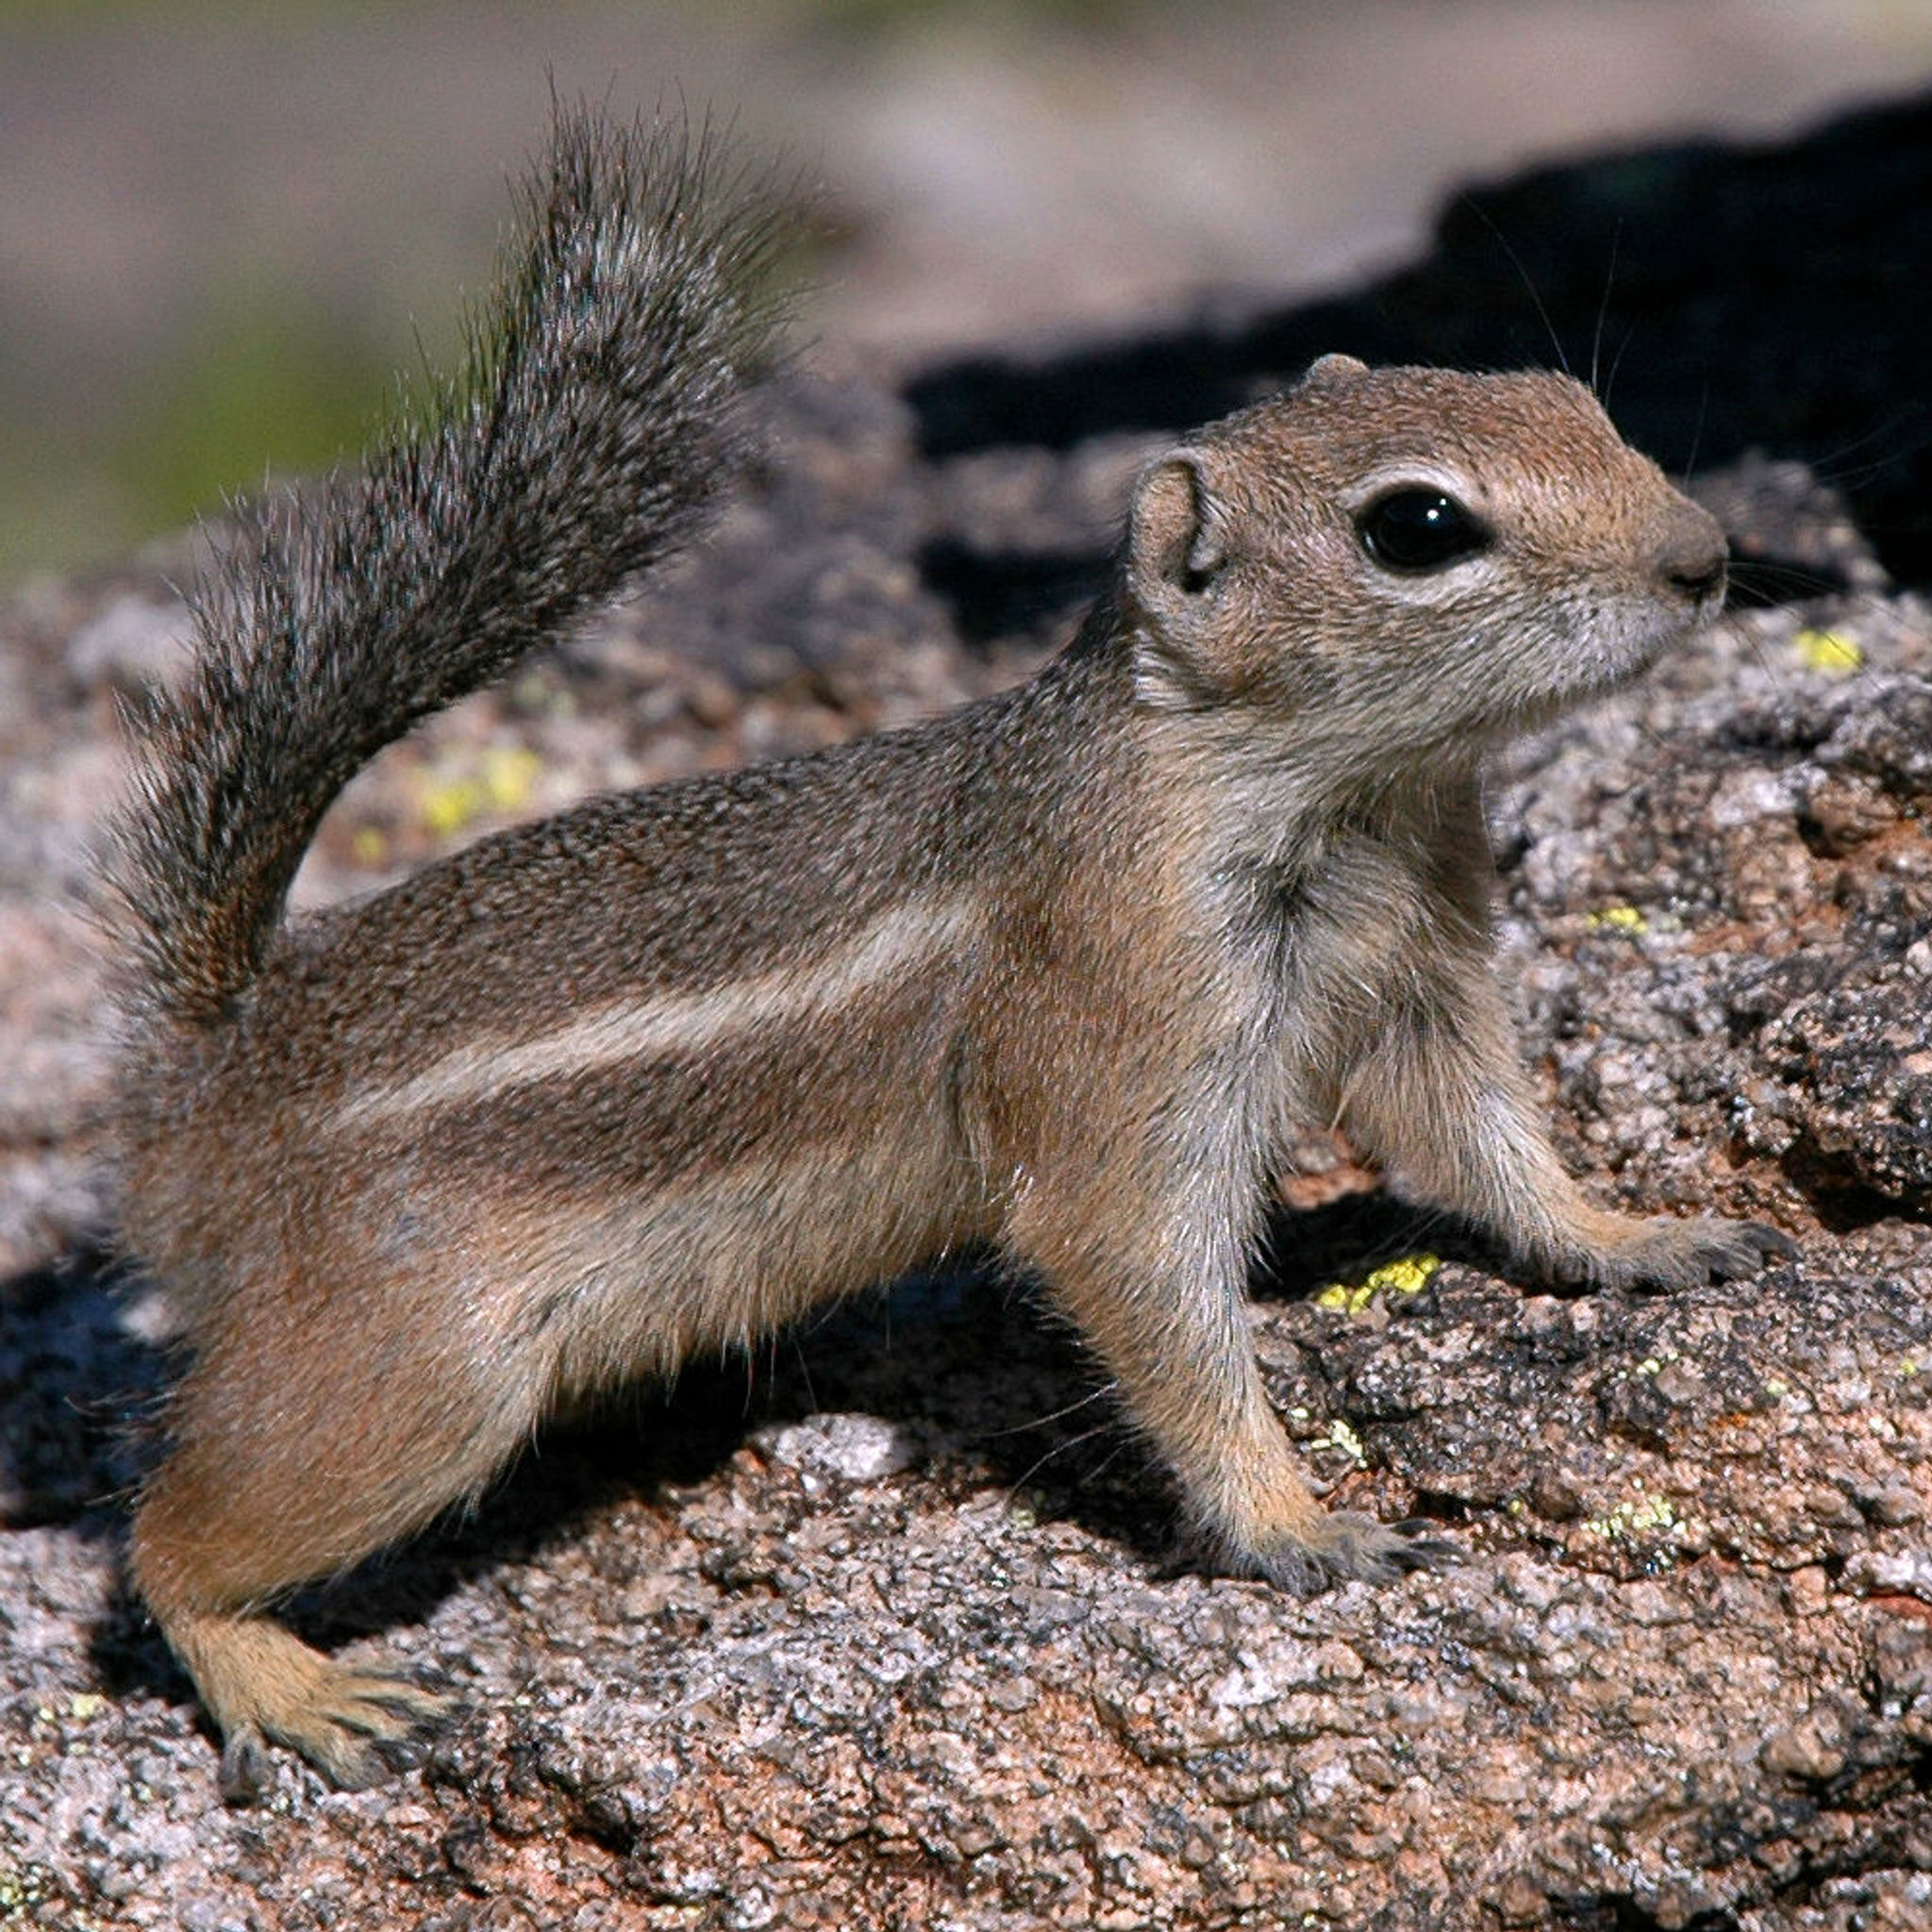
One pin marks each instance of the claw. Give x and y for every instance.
(1350, 1546)
(1424, 1549)
(263, 1686)
(370, 1729)
(1768, 1243)
(400, 1755)
(1663, 1253)
(244, 1771)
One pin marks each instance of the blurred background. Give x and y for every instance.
(224, 228)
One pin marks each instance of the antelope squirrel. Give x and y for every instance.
(1058, 972)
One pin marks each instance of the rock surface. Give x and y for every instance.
(883, 1628)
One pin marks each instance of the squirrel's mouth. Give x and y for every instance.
(1628, 639)
(1570, 658)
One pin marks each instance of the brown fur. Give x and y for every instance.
(1066, 971)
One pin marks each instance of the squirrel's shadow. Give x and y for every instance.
(989, 1386)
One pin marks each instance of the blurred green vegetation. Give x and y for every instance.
(261, 372)
(261, 379)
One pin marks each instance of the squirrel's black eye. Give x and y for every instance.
(1419, 530)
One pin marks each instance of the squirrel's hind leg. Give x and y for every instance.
(274, 1484)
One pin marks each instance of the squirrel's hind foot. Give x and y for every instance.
(357, 1727)
(365, 1728)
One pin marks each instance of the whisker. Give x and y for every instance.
(1122, 1445)
(1825, 467)
(1603, 313)
(1617, 362)
(1762, 580)
(1046, 1455)
(1038, 1422)
(798, 1354)
(1697, 432)
(1755, 645)
(1489, 221)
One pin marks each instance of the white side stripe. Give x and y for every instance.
(673, 1024)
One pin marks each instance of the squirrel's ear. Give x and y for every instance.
(1335, 367)
(1173, 550)
(1177, 548)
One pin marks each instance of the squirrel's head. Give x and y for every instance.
(1419, 557)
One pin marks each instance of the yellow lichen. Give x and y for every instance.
(1645, 1516)
(1408, 1275)
(501, 781)
(1618, 919)
(1348, 1300)
(1836, 653)
(1341, 1436)
(510, 775)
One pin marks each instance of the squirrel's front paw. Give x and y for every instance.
(1666, 1253)
(1348, 1545)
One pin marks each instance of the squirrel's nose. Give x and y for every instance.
(1692, 554)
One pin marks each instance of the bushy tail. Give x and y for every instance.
(598, 417)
